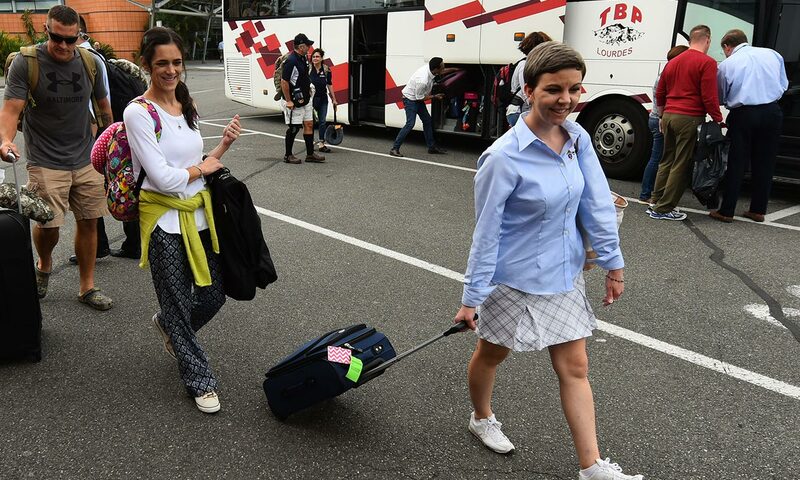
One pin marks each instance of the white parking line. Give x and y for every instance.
(761, 312)
(348, 149)
(220, 136)
(769, 222)
(633, 201)
(786, 212)
(205, 91)
(719, 366)
(267, 115)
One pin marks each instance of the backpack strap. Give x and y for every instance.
(29, 53)
(89, 64)
(141, 101)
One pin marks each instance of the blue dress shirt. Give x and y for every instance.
(751, 76)
(529, 201)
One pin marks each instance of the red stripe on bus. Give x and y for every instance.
(493, 16)
(393, 92)
(340, 75)
(641, 98)
(454, 14)
(527, 10)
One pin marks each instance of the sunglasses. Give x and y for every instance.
(56, 38)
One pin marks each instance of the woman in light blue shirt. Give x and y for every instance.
(534, 187)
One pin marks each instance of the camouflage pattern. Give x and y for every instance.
(33, 206)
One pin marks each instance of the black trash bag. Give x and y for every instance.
(334, 133)
(710, 164)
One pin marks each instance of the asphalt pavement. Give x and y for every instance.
(695, 373)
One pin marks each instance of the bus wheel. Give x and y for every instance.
(620, 136)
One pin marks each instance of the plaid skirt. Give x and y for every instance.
(524, 322)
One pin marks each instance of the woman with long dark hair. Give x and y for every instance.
(177, 227)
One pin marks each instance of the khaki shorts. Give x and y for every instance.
(297, 115)
(78, 190)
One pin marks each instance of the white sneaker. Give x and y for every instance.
(208, 403)
(605, 470)
(488, 431)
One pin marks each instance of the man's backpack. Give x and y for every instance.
(502, 96)
(111, 156)
(29, 53)
(123, 84)
(276, 77)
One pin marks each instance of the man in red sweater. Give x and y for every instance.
(688, 91)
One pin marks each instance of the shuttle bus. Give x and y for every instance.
(373, 47)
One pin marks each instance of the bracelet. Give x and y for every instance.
(198, 169)
(614, 279)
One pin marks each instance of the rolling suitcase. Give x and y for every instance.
(21, 317)
(313, 374)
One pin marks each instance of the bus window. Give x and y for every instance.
(720, 16)
(294, 7)
(787, 42)
(350, 5)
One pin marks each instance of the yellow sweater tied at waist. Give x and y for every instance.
(152, 205)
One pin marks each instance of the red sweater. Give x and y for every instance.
(688, 86)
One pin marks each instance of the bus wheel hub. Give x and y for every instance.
(613, 137)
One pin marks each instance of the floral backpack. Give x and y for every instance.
(111, 156)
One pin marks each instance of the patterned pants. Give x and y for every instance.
(185, 307)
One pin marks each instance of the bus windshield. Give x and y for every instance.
(720, 16)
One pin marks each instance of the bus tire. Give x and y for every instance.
(620, 136)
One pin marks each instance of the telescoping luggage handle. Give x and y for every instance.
(374, 372)
(12, 159)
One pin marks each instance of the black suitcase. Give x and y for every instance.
(20, 317)
(306, 377)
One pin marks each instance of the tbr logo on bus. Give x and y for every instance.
(614, 33)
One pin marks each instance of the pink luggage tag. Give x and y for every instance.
(340, 355)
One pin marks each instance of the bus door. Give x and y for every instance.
(405, 53)
(785, 39)
(335, 40)
(367, 69)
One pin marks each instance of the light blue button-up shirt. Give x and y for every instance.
(528, 203)
(751, 76)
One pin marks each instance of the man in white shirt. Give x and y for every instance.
(416, 92)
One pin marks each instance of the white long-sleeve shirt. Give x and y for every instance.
(420, 84)
(165, 161)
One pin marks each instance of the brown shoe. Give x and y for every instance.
(718, 216)
(756, 217)
(292, 159)
(315, 158)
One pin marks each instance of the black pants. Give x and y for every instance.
(754, 132)
(132, 243)
(185, 307)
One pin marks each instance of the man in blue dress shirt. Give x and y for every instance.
(751, 81)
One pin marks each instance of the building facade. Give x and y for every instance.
(115, 22)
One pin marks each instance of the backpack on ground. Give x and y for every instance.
(111, 156)
(276, 77)
(502, 96)
(29, 52)
(123, 84)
